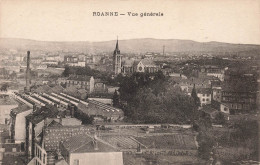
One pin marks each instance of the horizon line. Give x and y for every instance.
(134, 39)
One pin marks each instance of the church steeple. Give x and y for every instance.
(117, 59)
(117, 51)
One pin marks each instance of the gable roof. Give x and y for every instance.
(85, 143)
(42, 113)
(20, 109)
(53, 135)
(148, 63)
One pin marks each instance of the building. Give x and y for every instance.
(188, 84)
(47, 143)
(18, 123)
(36, 60)
(53, 58)
(75, 60)
(215, 71)
(240, 94)
(34, 125)
(50, 62)
(101, 110)
(204, 95)
(84, 149)
(81, 82)
(216, 90)
(117, 60)
(6, 105)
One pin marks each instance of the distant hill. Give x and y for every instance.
(126, 46)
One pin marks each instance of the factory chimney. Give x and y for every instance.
(28, 73)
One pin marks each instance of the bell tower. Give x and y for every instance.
(117, 59)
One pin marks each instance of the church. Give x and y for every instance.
(130, 66)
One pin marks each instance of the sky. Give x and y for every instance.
(232, 21)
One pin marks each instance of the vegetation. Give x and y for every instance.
(4, 87)
(150, 98)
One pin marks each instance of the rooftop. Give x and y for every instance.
(20, 109)
(42, 113)
(54, 134)
(174, 141)
(86, 143)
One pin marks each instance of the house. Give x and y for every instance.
(18, 123)
(239, 96)
(81, 82)
(6, 105)
(204, 95)
(216, 90)
(47, 143)
(85, 149)
(34, 125)
(187, 85)
(75, 61)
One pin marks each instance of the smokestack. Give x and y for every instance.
(28, 72)
(95, 142)
(72, 111)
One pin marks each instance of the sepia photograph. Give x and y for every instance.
(129, 82)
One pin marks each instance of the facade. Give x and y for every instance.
(214, 71)
(239, 101)
(18, 123)
(75, 60)
(47, 144)
(6, 105)
(85, 82)
(239, 95)
(34, 125)
(204, 95)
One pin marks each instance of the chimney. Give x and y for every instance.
(28, 72)
(95, 142)
(72, 111)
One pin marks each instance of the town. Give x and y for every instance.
(73, 108)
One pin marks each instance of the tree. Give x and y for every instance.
(195, 97)
(220, 118)
(67, 71)
(4, 87)
(116, 99)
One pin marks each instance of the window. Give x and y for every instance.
(207, 99)
(203, 99)
(76, 162)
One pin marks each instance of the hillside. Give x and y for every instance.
(126, 46)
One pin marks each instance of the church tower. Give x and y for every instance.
(117, 59)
